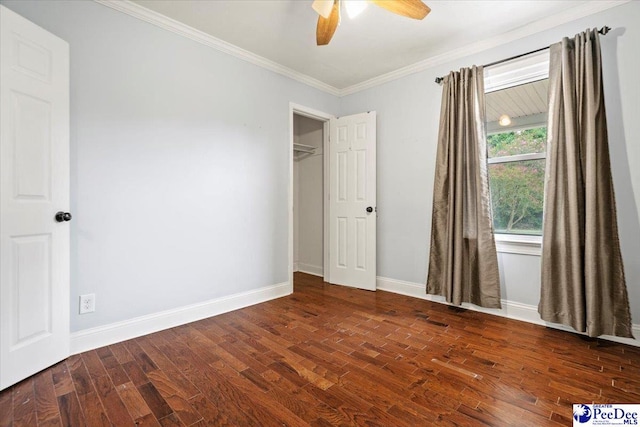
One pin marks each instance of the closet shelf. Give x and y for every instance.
(301, 148)
(300, 151)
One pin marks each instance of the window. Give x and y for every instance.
(516, 178)
(516, 108)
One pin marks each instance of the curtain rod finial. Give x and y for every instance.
(604, 30)
(439, 80)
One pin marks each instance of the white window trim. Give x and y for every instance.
(518, 244)
(513, 73)
(519, 71)
(517, 158)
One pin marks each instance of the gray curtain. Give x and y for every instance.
(463, 264)
(583, 284)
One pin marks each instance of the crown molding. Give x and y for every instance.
(162, 21)
(567, 16)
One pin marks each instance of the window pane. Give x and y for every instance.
(517, 142)
(517, 195)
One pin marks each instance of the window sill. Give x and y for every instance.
(518, 244)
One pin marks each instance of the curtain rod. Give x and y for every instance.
(604, 30)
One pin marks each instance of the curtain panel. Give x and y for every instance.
(583, 283)
(463, 264)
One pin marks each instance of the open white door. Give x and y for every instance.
(34, 186)
(352, 201)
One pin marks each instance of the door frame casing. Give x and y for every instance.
(325, 119)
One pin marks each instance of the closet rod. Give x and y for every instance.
(304, 148)
(604, 30)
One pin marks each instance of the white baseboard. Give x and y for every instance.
(101, 336)
(310, 269)
(510, 309)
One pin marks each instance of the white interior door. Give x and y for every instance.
(34, 186)
(352, 201)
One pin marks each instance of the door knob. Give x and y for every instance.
(63, 216)
(369, 209)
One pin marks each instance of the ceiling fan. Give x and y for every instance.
(329, 11)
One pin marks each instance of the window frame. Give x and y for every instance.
(517, 72)
(516, 157)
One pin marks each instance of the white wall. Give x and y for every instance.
(408, 112)
(179, 164)
(308, 242)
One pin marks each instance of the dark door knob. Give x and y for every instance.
(369, 209)
(63, 216)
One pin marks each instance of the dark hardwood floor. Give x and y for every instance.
(329, 355)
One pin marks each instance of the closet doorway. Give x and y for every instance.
(308, 195)
(308, 128)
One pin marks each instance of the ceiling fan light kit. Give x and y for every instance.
(355, 7)
(329, 13)
(323, 7)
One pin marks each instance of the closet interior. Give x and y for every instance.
(308, 189)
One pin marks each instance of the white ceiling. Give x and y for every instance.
(375, 43)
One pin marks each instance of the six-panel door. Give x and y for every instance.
(352, 201)
(34, 185)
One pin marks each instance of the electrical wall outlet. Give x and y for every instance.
(87, 303)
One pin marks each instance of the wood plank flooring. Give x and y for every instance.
(330, 356)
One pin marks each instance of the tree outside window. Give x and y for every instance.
(517, 180)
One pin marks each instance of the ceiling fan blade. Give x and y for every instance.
(415, 9)
(327, 27)
(323, 7)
